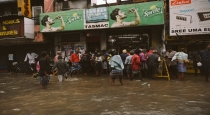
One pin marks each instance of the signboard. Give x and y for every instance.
(24, 7)
(141, 14)
(10, 27)
(96, 18)
(62, 21)
(189, 17)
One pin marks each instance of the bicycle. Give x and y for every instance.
(22, 67)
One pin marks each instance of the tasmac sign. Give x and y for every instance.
(189, 17)
(96, 18)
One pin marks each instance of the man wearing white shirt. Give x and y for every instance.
(31, 59)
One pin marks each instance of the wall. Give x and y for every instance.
(38, 37)
(156, 36)
(76, 4)
(29, 28)
(48, 6)
(103, 40)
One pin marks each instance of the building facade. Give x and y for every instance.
(17, 32)
(93, 25)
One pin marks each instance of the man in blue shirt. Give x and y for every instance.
(128, 63)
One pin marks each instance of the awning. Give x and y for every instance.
(190, 42)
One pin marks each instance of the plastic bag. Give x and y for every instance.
(199, 64)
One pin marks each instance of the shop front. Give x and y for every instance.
(131, 25)
(132, 38)
(193, 43)
(15, 33)
(189, 28)
(13, 30)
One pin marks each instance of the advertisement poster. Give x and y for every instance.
(10, 57)
(141, 14)
(79, 47)
(96, 18)
(67, 48)
(189, 17)
(62, 21)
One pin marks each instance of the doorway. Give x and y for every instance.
(93, 42)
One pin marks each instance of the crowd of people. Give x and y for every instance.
(131, 63)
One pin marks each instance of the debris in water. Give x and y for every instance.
(16, 109)
(72, 79)
(144, 83)
(2, 91)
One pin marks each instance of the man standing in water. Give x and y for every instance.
(205, 60)
(45, 69)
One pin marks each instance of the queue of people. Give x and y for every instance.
(132, 63)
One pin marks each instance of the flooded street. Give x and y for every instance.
(22, 95)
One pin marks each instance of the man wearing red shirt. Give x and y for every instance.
(74, 58)
(136, 65)
(75, 62)
(150, 52)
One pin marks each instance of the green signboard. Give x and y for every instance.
(148, 13)
(62, 21)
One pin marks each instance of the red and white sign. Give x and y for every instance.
(189, 17)
(180, 2)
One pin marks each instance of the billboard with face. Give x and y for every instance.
(62, 21)
(148, 13)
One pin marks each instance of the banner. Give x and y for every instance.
(11, 27)
(141, 14)
(189, 17)
(62, 21)
(24, 7)
(96, 18)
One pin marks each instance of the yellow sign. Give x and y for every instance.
(8, 22)
(25, 7)
(19, 3)
(9, 33)
(9, 27)
(4, 28)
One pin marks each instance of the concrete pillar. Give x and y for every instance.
(48, 6)
(156, 37)
(103, 40)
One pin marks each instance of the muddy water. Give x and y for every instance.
(22, 95)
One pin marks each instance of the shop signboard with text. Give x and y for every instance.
(141, 14)
(62, 21)
(11, 27)
(189, 17)
(96, 18)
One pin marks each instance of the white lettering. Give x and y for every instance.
(206, 16)
(96, 26)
